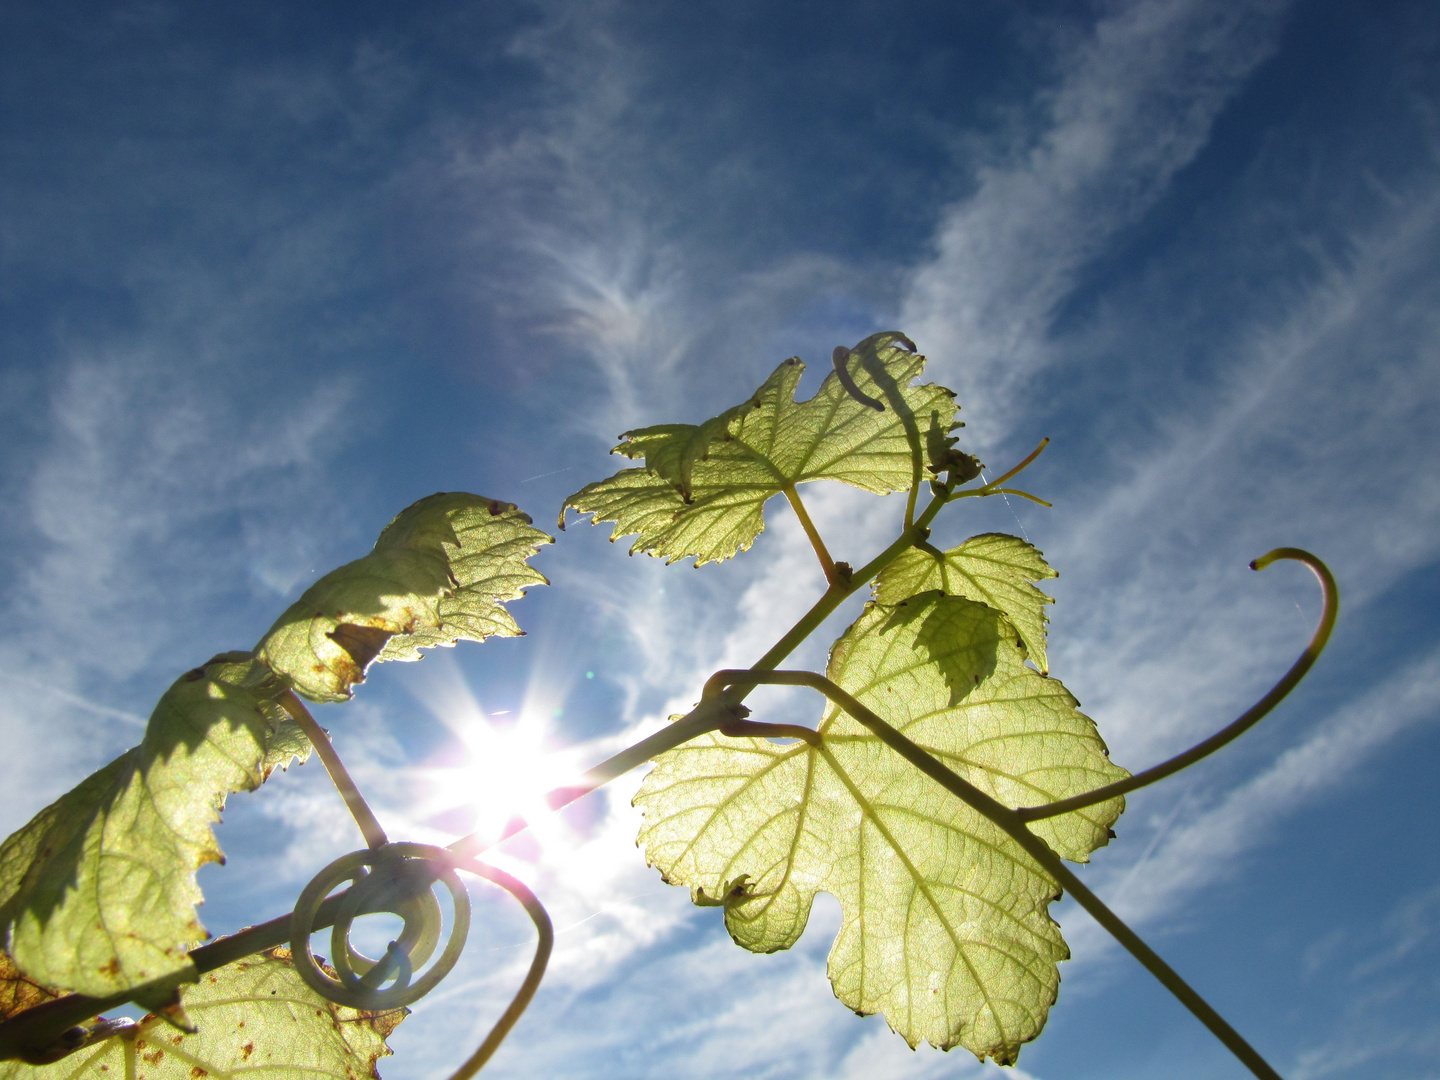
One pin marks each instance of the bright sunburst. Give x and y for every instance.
(505, 766)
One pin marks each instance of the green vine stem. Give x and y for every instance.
(339, 775)
(1244, 722)
(1014, 826)
(30, 1033)
(709, 715)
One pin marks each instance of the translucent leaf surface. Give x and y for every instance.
(255, 1018)
(18, 991)
(440, 572)
(993, 568)
(98, 891)
(945, 926)
(703, 486)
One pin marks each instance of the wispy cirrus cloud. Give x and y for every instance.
(1133, 105)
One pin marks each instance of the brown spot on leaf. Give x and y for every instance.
(198, 1072)
(18, 991)
(363, 643)
(247, 1050)
(154, 1058)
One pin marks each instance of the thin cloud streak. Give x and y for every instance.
(1135, 106)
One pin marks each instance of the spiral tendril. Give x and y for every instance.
(397, 879)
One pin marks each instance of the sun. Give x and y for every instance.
(507, 771)
(503, 766)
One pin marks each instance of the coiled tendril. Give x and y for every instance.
(398, 879)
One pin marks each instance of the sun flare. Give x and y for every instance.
(502, 770)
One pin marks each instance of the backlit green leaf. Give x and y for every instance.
(255, 1018)
(439, 573)
(98, 891)
(993, 568)
(945, 925)
(703, 486)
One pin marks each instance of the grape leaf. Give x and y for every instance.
(18, 991)
(945, 925)
(98, 891)
(992, 568)
(438, 573)
(254, 1017)
(703, 487)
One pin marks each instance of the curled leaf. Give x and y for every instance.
(439, 573)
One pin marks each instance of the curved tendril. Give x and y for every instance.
(1019, 468)
(841, 359)
(543, 947)
(1244, 722)
(398, 879)
(339, 775)
(1015, 827)
(992, 490)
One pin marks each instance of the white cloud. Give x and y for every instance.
(135, 524)
(1133, 106)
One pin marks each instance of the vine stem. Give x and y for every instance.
(339, 775)
(1242, 724)
(826, 562)
(710, 715)
(1015, 827)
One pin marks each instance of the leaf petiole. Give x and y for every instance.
(339, 775)
(827, 564)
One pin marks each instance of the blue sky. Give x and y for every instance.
(269, 273)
